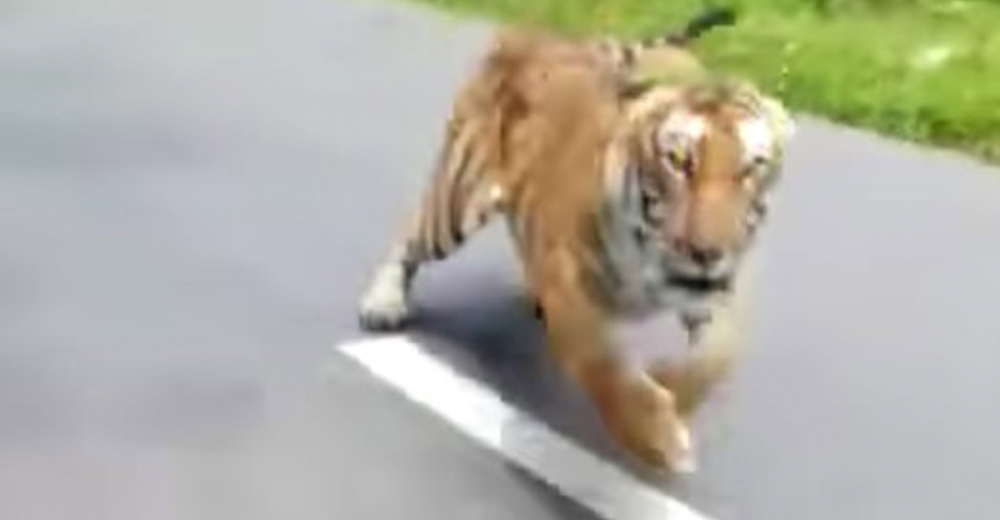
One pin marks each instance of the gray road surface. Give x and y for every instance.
(192, 194)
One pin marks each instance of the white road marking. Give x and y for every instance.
(597, 484)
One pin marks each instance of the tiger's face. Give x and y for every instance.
(704, 193)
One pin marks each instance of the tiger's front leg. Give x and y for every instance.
(639, 414)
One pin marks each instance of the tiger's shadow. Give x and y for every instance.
(496, 339)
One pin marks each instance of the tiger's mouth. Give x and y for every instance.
(700, 284)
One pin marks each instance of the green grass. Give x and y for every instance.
(867, 63)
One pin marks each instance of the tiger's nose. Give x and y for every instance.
(705, 256)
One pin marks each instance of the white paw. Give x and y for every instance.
(384, 306)
(687, 462)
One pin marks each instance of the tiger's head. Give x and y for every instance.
(705, 158)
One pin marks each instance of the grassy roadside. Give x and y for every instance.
(924, 70)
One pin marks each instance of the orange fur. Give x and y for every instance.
(537, 134)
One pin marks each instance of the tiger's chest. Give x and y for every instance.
(644, 306)
(634, 280)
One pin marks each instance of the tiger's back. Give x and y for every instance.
(560, 113)
(525, 138)
(544, 110)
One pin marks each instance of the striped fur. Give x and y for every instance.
(619, 203)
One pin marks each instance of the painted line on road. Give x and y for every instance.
(597, 484)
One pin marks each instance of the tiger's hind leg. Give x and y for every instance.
(459, 202)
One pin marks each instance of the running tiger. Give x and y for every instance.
(622, 200)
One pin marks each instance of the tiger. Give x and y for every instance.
(623, 199)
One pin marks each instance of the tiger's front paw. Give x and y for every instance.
(646, 424)
(385, 305)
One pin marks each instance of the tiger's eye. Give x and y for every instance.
(679, 162)
(676, 157)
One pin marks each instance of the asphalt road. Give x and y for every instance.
(192, 194)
